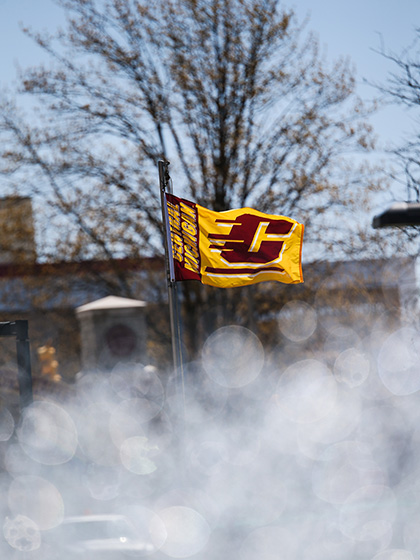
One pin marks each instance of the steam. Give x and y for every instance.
(295, 454)
(233, 357)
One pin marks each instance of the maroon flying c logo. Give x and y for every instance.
(251, 239)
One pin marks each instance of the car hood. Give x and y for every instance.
(115, 545)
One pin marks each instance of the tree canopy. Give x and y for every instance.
(234, 93)
(403, 88)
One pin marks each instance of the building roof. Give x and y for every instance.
(111, 302)
(69, 285)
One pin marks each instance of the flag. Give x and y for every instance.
(233, 248)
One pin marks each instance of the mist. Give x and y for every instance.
(299, 452)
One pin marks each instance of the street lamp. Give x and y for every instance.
(399, 214)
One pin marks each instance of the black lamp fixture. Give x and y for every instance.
(400, 214)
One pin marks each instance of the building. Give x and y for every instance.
(49, 295)
(17, 231)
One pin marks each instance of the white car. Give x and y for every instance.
(99, 536)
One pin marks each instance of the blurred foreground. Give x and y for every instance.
(293, 454)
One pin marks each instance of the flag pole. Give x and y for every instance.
(165, 186)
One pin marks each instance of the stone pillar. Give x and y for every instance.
(113, 330)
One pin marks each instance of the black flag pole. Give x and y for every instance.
(175, 319)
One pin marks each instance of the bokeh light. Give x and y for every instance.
(145, 521)
(368, 515)
(207, 456)
(398, 362)
(297, 321)
(184, 531)
(137, 455)
(352, 367)
(36, 498)
(233, 356)
(343, 469)
(22, 533)
(47, 433)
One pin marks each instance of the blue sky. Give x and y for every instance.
(344, 28)
(356, 29)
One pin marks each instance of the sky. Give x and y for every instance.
(352, 29)
(360, 28)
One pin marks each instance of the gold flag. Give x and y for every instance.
(235, 247)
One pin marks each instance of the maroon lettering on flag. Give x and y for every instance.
(183, 223)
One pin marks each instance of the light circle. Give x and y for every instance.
(233, 356)
(183, 531)
(137, 455)
(48, 434)
(398, 362)
(297, 321)
(38, 499)
(22, 533)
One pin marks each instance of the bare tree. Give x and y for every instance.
(232, 92)
(403, 88)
